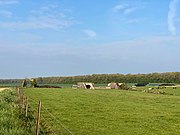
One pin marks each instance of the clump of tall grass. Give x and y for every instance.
(12, 121)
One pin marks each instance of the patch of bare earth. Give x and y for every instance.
(1, 89)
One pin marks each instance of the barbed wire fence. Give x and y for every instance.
(44, 122)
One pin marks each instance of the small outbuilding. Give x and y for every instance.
(113, 85)
(85, 85)
(118, 86)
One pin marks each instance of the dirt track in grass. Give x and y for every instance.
(1, 89)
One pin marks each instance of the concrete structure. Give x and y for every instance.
(113, 85)
(118, 86)
(85, 85)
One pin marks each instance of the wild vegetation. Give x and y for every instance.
(107, 112)
(12, 120)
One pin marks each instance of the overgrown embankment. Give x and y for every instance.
(11, 119)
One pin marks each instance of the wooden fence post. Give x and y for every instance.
(26, 105)
(18, 93)
(38, 118)
(18, 96)
(22, 102)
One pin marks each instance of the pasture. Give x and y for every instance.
(94, 112)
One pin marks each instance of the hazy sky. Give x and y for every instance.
(75, 37)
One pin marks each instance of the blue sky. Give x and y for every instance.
(77, 37)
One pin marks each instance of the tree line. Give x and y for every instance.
(169, 77)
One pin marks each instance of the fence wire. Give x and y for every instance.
(51, 116)
(58, 121)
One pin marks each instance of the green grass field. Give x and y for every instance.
(10, 85)
(109, 112)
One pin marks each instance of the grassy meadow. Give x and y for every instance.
(108, 112)
(10, 85)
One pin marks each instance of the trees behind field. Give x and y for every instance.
(169, 77)
(10, 81)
